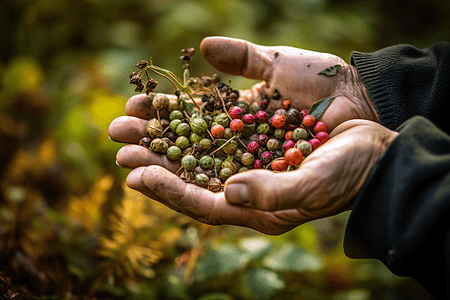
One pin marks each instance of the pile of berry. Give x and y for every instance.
(226, 138)
(224, 135)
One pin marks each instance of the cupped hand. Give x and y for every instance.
(272, 203)
(294, 74)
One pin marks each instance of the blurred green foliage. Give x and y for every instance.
(70, 229)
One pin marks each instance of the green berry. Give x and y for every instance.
(279, 133)
(230, 147)
(189, 162)
(222, 119)
(183, 129)
(243, 169)
(173, 153)
(263, 128)
(154, 128)
(202, 180)
(218, 162)
(225, 173)
(230, 165)
(305, 147)
(206, 144)
(272, 144)
(174, 124)
(299, 133)
(159, 146)
(176, 115)
(195, 137)
(206, 162)
(198, 126)
(182, 142)
(247, 159)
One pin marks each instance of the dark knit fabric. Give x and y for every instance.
(404, 81)
(401, 216)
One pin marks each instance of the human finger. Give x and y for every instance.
(237, 57)
(141, 106)
(211, 208)
(126, 129)
(133, 156)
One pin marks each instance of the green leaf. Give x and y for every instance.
(293, 258)
(256, 247)
(318, 108)
(220, 261)
(260, 283)
(331, 71)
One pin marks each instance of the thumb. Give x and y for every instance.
(237, 57)
(266, 190)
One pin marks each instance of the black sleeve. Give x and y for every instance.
(404, 81)
(401, 216)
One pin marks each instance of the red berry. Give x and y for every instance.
(262, 140)
(257, 164)
(248, 119)
(261, 116)
(288, 144)
(278, 120)
(320, 127)
(237, 125)
(266, 157)
(304, 112)
(308, 120)
(265, 102)
(253, 147)
(289, 135)
(323, 137)
(293, 156)
(218, 131)
(235, 112)
(315, 143)
(279, 164)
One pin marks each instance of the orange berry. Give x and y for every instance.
(279, 164)
(293, 156)
(289, 135)
(308, 120)
(218, 131)
(278, 120)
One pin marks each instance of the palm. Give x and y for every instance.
(293, 73)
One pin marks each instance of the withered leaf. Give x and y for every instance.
(318, 108)
(331, 71)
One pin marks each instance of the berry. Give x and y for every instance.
(182, 142)
(198, 126)
(261, 116)
(278, 120)
(279, 164)
(263, 128)
(173, 153)
(265, 103)
(206, 162)
(257, 164)
(266, 157)
(225, 173)
(293, 156)
(288, 144)
(293, 116)
(247, 158)
(237, 125)
(315, 143)
(279, 133)
(154, 128)
(305, 147)
(176, 114)
(323, 137)
(253, 147)
(262, 140)
(235, 112)
(218, 131)
(287, 104)
(299, 133)
(320, 127)
(189, 162)
(289, 135)
(183, 129)
(304, 112)
(249, 119)
(272, 144)
(308, 120)
(202, 180)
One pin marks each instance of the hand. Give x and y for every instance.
(294, 74)
(272, 203)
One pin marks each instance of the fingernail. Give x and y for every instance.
(118, 163)
(237, 193)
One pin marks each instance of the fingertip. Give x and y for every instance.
(134, 178)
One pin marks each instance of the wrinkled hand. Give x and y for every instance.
(272, 203)
(293, 73)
